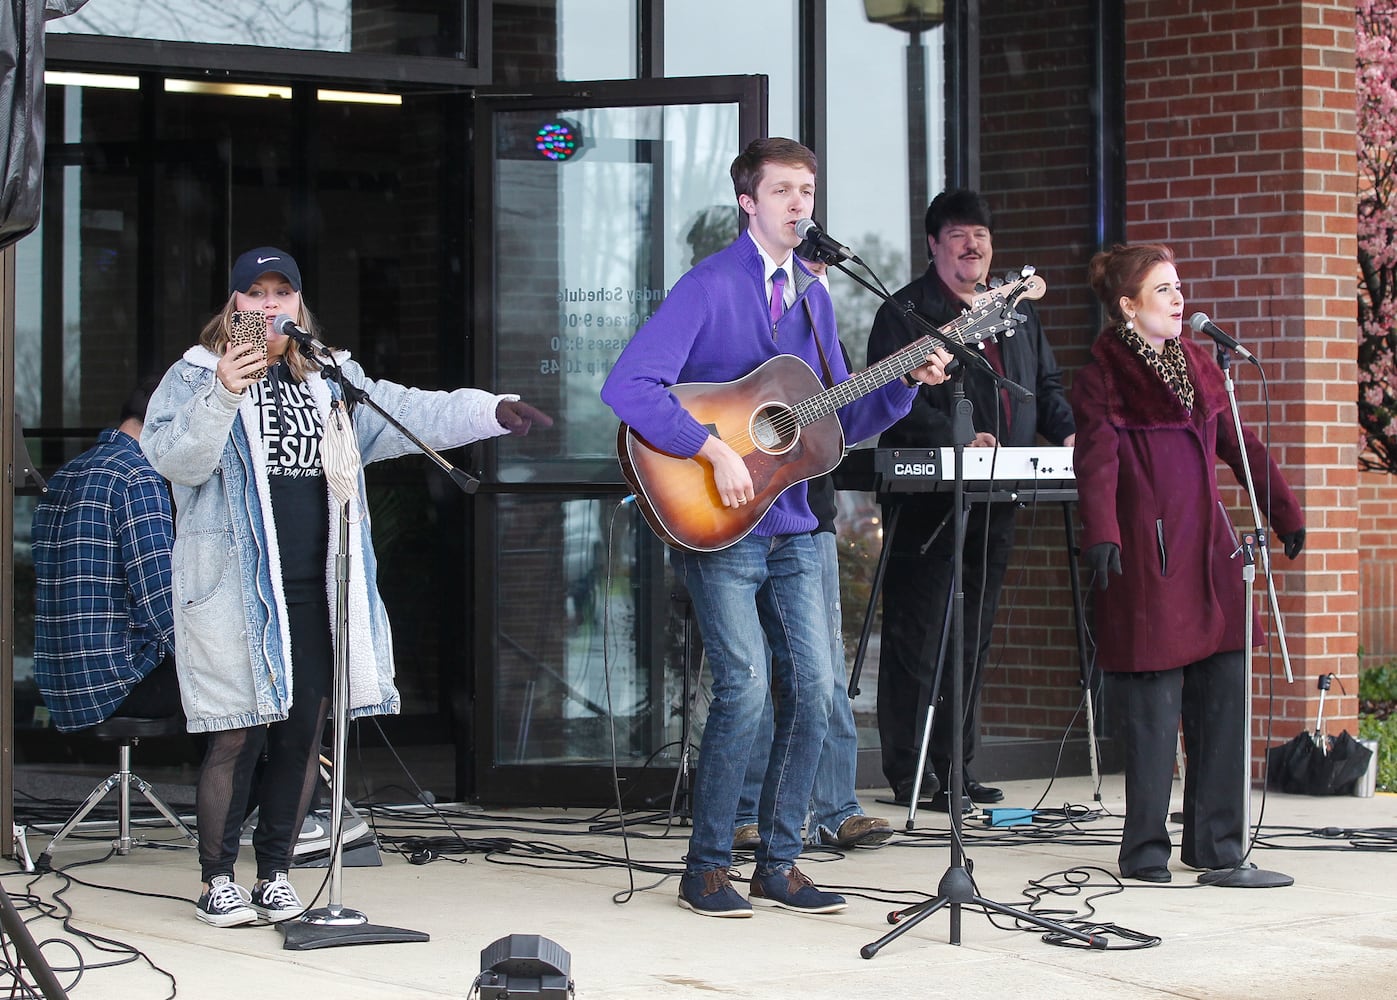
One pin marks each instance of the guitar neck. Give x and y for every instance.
(992, 316)
(872, 378)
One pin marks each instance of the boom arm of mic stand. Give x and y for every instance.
(353, 395)
(972, 359)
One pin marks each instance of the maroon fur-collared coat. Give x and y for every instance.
(1147, 480)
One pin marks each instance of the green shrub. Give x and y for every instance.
(1385, 732)
(1378, 684)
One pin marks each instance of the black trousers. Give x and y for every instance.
(285, 783)
(1210, 696)
(916, 586)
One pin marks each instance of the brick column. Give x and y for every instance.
(1240, 155)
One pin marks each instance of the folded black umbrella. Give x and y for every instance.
(1317, 765)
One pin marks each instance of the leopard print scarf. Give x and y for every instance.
(1170, 364)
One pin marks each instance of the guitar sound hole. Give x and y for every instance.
(774, 429)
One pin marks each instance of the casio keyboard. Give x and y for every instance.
(1006, 473)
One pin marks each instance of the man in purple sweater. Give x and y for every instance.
(718, 324)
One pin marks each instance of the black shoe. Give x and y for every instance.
(274, 900)
(902, 791)
(983, 793)
(225, 904)
(1155, 873)
(941, 803)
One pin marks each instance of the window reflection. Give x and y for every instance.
(398, 27)
(586, 249)
(864, 170)
(574, 655)
(596, 39)
(701, 39)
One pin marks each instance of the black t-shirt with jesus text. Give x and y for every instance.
(292, 431)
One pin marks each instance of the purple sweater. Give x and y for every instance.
(713, 327)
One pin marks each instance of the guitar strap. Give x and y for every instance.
(824, 362)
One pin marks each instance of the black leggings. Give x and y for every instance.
(230, 781)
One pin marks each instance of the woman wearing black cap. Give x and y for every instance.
(238, 433)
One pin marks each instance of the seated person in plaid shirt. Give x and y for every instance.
(103, 623)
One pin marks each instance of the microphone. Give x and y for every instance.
(1202, 324)
(286, 326)
(809, 231)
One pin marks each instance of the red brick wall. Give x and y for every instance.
(1240, 149)
(1036, 148)
(1377, 576)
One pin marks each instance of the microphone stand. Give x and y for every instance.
(333, 924)
(353, 395)
(957, 888)
(1246, 875)
(28, 953)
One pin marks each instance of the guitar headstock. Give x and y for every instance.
(1028, 285)
(993, 312)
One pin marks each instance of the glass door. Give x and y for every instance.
(593, 200)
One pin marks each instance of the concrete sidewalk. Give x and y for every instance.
(1332, 934)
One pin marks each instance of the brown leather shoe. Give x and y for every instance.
(862, 831)
(746, 838)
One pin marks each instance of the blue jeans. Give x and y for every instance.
(832, 798)
(759, 593)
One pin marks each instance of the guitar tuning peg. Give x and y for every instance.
(1020, 318)
(980, 288)
(980, 346)
(1028, 271)
(996, 282)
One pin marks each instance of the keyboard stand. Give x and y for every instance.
(1067, 497)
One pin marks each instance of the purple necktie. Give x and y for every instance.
(778, 295)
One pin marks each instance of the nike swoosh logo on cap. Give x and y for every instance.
(263, 260)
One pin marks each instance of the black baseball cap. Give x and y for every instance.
(255, 263)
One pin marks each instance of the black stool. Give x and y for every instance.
(127, 732)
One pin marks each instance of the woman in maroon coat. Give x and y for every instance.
(1152, 421)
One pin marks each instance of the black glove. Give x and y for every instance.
(1294, 542)
(1102, 559)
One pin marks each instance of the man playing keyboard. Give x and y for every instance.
(960, 241)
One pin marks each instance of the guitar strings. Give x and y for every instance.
(822, 404)
(785, 422)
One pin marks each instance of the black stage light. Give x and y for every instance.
(525, 965)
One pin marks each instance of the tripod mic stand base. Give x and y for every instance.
(957, 889)
(1247, 877)
(330, 927)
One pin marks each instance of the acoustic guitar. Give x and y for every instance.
(781, 419)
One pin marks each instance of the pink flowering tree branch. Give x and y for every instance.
(1376, 86)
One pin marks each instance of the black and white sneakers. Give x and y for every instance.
(225, 904)
(275, 900)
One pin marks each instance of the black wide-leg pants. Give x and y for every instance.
(1210, 697)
